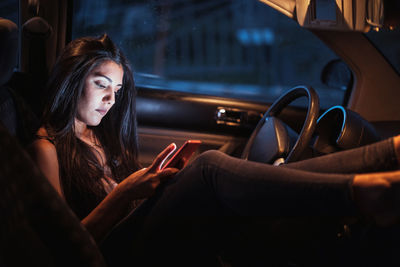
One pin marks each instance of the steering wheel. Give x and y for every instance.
(272, 141)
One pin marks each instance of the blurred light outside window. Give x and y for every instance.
(229, 48)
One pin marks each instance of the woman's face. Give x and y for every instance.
(98, 95)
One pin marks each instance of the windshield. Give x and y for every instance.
(229, 48)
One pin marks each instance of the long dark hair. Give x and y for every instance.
(81, 172)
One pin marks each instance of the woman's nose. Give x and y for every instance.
(109, 97)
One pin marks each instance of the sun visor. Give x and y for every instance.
(337, 15)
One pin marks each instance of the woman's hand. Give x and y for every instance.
(143, 183)
(140, 184)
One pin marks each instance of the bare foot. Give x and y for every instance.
(378, 196)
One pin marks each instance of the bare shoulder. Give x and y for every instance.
(42, 146)
(44, 153)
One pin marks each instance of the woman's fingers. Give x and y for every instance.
(167, 173)
(156, 165)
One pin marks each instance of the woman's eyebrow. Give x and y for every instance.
(104, 76)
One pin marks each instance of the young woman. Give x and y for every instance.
(87, 149)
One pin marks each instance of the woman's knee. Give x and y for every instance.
(210, 157)
(204, 166)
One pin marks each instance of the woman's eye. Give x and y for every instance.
(100, 85)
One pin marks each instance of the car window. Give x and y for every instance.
(9, 10)
(230, 48)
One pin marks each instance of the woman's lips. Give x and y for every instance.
(102, 111)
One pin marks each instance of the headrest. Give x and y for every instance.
(8, 49)
(36, 27)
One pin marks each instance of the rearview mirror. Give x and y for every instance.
(375, 13)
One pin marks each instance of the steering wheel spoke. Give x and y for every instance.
(272, 139)
(275, 146)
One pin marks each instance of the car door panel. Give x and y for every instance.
(167, 116)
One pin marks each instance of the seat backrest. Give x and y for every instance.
(15, 114)
(37, 228)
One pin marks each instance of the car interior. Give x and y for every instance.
(272, 81)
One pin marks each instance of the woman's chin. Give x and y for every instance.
(94, 123)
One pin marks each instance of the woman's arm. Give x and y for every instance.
(113, 208)
(45, 155)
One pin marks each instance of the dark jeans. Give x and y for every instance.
(219, 201)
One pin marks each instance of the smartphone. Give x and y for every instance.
(182, 156)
